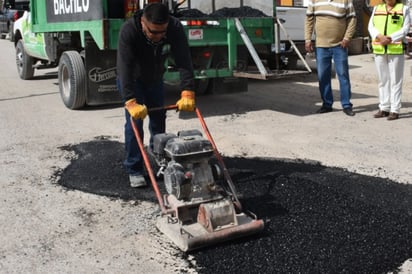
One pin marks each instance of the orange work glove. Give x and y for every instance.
(187, 101)
(136, 110)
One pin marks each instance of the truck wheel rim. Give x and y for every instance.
(65, 82)
(19, 60)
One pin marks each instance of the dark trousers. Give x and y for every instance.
(151, 96)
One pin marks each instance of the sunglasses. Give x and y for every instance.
(154, 32)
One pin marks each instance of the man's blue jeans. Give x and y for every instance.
(152, 96)
(324, 57)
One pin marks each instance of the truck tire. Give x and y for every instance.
(202, 87)
(72, 80)
(24, 62)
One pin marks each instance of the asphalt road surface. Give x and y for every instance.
(334, 191)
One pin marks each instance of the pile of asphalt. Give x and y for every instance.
(317, 219)
(244, 11)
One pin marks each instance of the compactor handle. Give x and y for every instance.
(169, 107)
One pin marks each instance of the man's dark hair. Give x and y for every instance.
(156, 13)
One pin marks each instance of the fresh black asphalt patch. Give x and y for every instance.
(317, 219)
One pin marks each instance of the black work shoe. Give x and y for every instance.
(324, 110)
(349, 111)
(381, 114)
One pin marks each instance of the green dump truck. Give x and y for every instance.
(80, 38)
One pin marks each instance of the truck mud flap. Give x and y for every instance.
(101, 76)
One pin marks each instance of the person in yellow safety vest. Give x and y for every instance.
(388, 27)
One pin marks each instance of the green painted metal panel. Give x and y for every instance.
(53, 16)
(232, 44)
(89, 18)
(259, 30)
(174, 76)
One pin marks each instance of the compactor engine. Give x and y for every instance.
(185, 163)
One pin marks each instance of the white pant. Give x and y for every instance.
(390, 73)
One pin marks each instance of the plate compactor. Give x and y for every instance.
(201, 207)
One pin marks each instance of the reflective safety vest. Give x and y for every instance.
(388, 22)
